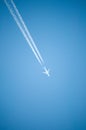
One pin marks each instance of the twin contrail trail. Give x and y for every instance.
(19, 21)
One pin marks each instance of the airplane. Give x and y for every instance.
(46, 71)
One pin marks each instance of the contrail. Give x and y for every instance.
(28, 33)
(22, 30)
(19, 21)
(20, 27)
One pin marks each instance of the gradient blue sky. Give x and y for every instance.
(29, 100)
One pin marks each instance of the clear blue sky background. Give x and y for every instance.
(29, 100)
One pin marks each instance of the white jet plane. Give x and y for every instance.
(46, 71)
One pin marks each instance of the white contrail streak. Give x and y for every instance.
(20, 23)
(26, 30)
(22, 30)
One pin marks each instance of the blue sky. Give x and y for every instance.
(29, 99)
